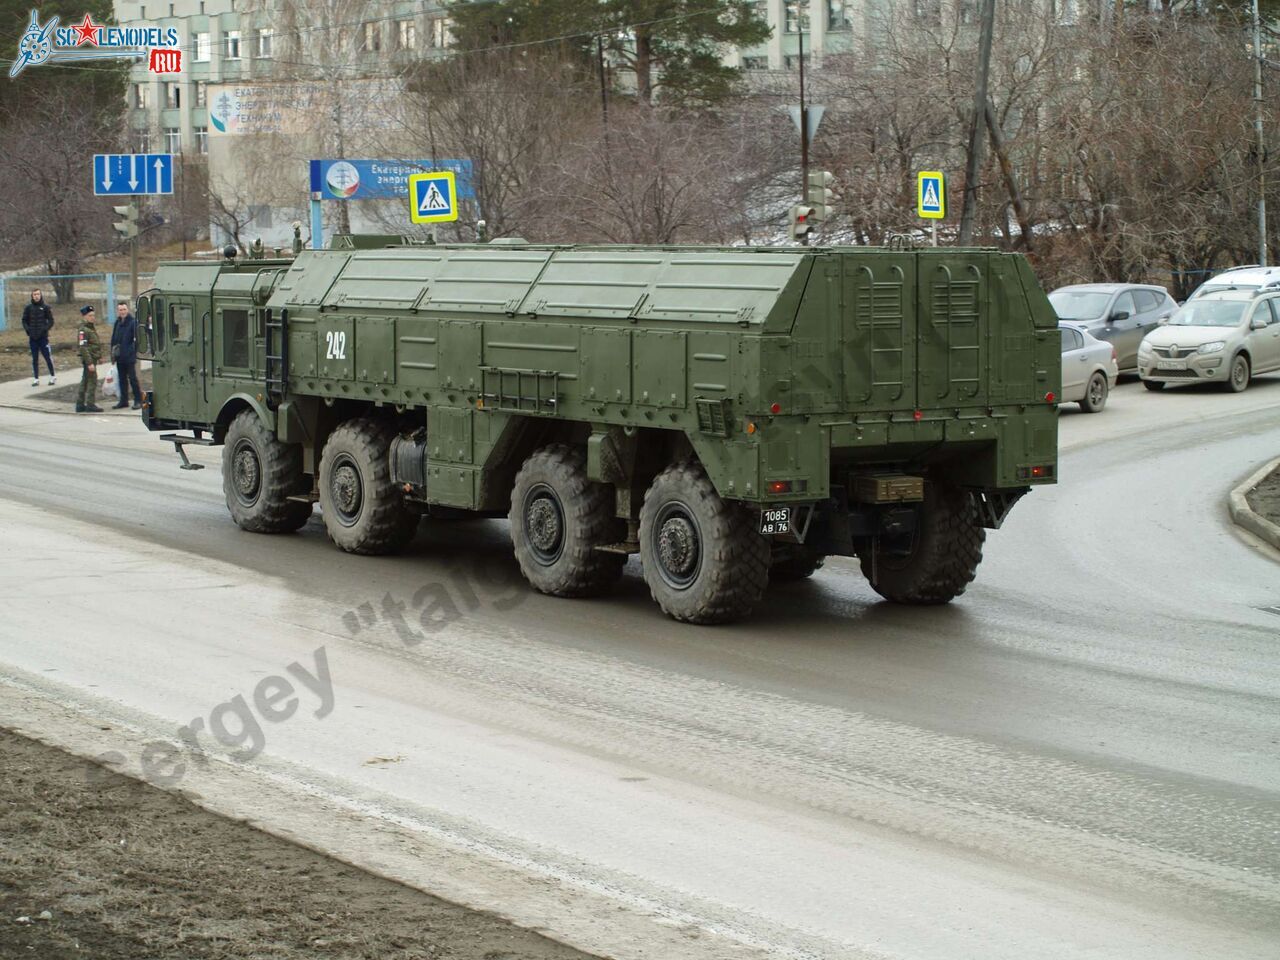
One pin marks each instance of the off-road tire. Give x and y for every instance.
(794, 561)
(364, 512)
(1239, 374)
(946, 551)
(1095, 393)
(558, 518)
(1155, 386)
(259, 474)
(729, 572)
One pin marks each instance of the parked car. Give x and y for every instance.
(1119, 313)
(1253, 280)
(1089, 368)
(1225, 336)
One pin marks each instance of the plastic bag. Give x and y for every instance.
(107, 385)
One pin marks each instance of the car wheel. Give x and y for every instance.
(1239, 377)
(1095, 394)
(1155, 386)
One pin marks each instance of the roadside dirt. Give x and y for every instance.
(126, 871)
(1265, 497)
(15, 351)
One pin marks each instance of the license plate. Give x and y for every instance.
(1171, 364)
(775, 520)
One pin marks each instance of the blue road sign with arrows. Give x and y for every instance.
(132, 174)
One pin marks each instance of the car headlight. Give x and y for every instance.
(1212, 347)
(1144, 348)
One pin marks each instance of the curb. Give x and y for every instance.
(1245, 516)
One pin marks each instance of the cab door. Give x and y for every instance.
(177, 371)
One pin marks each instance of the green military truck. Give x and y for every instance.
(732, 415)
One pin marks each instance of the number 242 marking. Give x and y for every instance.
(336, 345)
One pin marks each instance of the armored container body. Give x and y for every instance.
(730, 414)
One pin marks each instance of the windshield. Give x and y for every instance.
(1209, 313)
(1078, 304)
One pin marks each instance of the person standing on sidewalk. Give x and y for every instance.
(37, 321)
(124, 351)
(90, 357)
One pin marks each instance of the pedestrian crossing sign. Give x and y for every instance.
(433, 197)
(931, 195)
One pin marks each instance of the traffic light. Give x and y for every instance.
(801, 221)
(819, 195)
(128, 227)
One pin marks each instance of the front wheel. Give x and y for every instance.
(938, 559)
(364, 511)
(1095, 394)
(259, 475)
(1238, 379)
(703, 559)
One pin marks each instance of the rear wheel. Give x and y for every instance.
(939, 559)
(1155, 386)
(794, 561)
(364, 511)
(558, 518)
(1095, 394)
(259, 474)
(703, 559)
(1238, 379)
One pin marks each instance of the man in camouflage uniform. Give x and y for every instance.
(90, 357)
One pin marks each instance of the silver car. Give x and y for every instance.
(1089, 368)
(1225, 336)
(1119, 313)
(1254, 280)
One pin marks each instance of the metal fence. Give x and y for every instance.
(101, 290)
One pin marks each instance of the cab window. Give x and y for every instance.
(180, 323)
(235, 338)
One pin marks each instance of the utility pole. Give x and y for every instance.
(973, 162)
(1257, 129)
(804, 129)
(604, 91)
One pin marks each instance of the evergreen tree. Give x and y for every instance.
(672, 47)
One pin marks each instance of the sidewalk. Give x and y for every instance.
(22, 396)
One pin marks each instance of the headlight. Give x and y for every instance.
(1212, 347)
(1144, 347)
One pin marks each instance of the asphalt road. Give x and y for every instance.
(1078, 758)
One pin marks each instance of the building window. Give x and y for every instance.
(203, 48)
(407, 34)
(370, 38)
(929, 11)
(142, 140)
(792, 62)
(202, 93)
(233, 44)
(1066, 12)
(266, 40)
(202, 139)
(797, 16)
(172, 140)
(140, 95)
(260, 216)
(838, 16)
(142, 12)
(441, 35)
(755, 63)
(173, 95)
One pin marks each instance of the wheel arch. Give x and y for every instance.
(233, 407)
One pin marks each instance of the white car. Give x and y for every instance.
(1089, 368)
(1253, 280)
(1225, 336)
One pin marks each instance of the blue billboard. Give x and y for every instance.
(381, 179)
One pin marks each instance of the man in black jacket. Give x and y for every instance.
(37, 321)
(124, 350)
